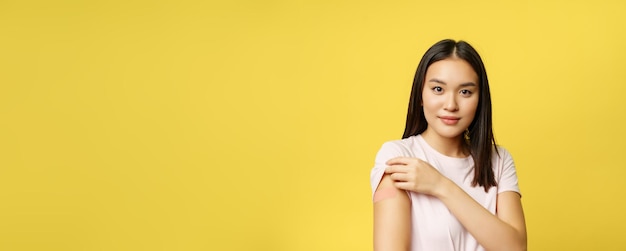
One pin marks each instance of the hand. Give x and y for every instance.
(415, 175)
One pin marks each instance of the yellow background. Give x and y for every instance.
(253, 125)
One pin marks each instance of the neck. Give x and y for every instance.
(451, 147)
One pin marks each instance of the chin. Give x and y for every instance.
(450, 134)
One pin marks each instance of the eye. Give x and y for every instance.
(437, 89)
(466, 92)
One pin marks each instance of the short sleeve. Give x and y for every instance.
(388, 151)
(507, 176)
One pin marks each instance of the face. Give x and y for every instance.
(450, 97)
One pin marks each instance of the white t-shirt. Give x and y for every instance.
(433, 226)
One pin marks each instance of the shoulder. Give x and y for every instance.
(394, 148)
(503, 163)
(501, 154)
(398, 146)
(505, 171)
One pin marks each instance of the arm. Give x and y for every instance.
(504, 231)
(392, 217)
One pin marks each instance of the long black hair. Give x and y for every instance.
(482, 142)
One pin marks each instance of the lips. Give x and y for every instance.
(449, 120)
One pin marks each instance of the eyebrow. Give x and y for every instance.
(444, 83)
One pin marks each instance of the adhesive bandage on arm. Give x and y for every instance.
(385, 193)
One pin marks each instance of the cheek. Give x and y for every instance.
(429, 107)
(430, 103)
(471, 107)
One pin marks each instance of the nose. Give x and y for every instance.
(450, 103)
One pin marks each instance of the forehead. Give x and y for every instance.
(452, 71)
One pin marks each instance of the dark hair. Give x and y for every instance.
(481, 141)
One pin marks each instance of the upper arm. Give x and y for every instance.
(509, 209)
(508, 201)
(392, 217)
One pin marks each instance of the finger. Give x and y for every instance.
(399, 177)
(396, 169)
(403, 185)
(400, 161)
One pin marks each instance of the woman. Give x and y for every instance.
(446, 185)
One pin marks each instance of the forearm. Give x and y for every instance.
(489, 230)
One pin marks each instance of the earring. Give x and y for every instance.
(466, 135)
